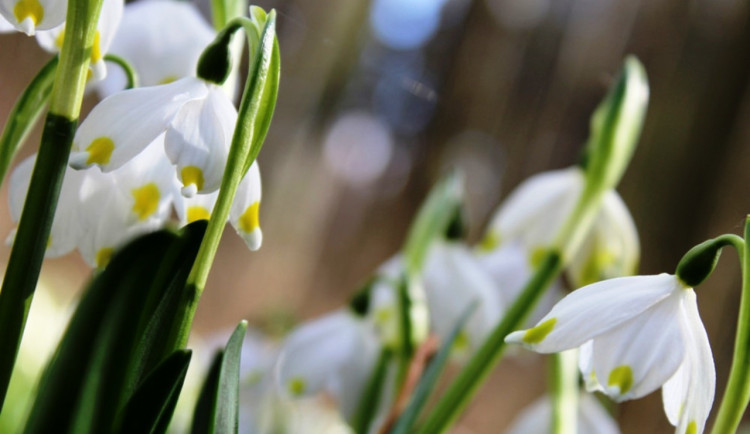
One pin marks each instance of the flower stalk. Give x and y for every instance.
(737, 393)
(34, 228)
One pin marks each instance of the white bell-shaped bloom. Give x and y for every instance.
(109, 21)
(453, 280)
(635, 335)
(244, 214)
(161, 39)
(334, 355)
(537, 418)
(197, 117)
(28, 16)
(534, 213)
(198, 207)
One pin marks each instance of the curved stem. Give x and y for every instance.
(737, 393)
(127, 68)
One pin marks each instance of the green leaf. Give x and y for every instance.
(150, 408)
(428, 381)
(433, 219)
(217, 409)
(96, 366)
(24, 115)
(368, 403)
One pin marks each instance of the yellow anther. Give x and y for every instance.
(100, 150)
(622, 378)
(297, 386)
(537, 334)
(192, 175)
(196, 212)
(29, 9)
(146, 200)
(103, 256)
(249, 220)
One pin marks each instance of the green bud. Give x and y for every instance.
(458, 227)
(360, 303)
(215, 63)
(700, 261)
(616, 126)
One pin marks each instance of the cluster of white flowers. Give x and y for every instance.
(157, 149)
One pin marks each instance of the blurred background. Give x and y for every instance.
(379, 98)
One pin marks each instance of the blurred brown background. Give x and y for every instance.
(379, 98)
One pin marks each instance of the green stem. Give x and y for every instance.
(737, 393)
(24, 115)
(130, 74)
(244, 150)
(460, 392)
(34, 227)
(565, 392)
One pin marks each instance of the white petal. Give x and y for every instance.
(198, 207)
(34, 15)
(537, 208)
(592, 418)
(162, 40)
(640, 355)
(334, 354)
(594, 310)
(453, 281)
(244, 212)
(612, 248)
(689, 394)
(198, 138)
(121, 126)
(6, 26)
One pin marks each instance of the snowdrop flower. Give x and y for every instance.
(161, 39)
(109, 20)
(534, 213)
(28, 16)
(635, 334)
(334, 355)
(592, 418)
(196, 115)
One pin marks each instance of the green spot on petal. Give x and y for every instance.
(297, 386)
(622, 378)
(692, 428)
(537, 334)
(490, 242)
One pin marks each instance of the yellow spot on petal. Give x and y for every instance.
(692, 428)
(100, 150)
(462, 342)
(96, 49)
(622, 378)
(297, 386)
(195, 213)
(146, 200)
(103, 256)
(29, 9)
(192, 175)
(490, 242)
(60, 39)
(537, 334)
(168, 79)
(249, 219)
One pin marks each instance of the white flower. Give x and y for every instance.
(635, 335)
(198, 119)
(534, 213)
(334, 355)
(28, 16)
(161, 39)
(109, 20)
(537, 418)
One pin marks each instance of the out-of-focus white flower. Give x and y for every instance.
(537, 418)
(332, 356)
(109, 20)
(161, 39)
(28, 16)
(534, 213)
(635, 334)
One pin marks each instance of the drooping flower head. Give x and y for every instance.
(635, 334)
